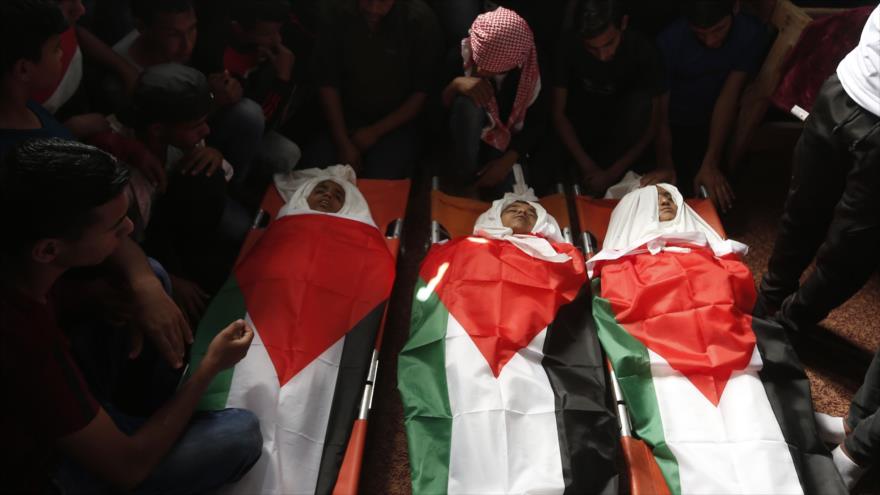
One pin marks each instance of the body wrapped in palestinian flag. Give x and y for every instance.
(719, 396)
(314, 288)
(502, 377)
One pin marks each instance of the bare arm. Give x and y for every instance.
(625, 162)
(96, 49)
(567, 133)
(126, 460)
(723, 117)
(156, 316)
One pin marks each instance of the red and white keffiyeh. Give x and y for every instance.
(499, 42)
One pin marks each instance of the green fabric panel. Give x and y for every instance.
(631, 363)
(227, 306)
(421, 379)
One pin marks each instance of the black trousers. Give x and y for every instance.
(864, 441)
(832, 212)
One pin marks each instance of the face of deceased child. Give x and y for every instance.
(666, 205)
(327, 196)
(519, 216)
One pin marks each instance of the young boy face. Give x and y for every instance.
(714, 35)
(72, 10)
(186, 135)
(264, 34)
(604, 46)
(173, 35)
(327, 196)
(48, 70)
(110, 224)
(375, 10)
(520, 217)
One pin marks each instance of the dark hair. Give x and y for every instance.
(146, 11)
(594, 17)
(249, 12)
(50, 187)
(168, 93)
(25, 26)
(707, 13)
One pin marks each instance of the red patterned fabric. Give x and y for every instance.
(499, 42)
(821, 47)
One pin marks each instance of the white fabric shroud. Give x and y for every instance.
(635, 222)
(296, 186)
(489, 225)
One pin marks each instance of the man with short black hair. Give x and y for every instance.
(63, 205)
(606, 96)
(710, 54)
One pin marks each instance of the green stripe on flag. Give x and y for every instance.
(227, 306)
(631, 363)
(421, 379)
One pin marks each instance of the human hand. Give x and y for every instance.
(720, 192)
(496, 170)
(598, 181)
(364, 138)
(201, 159)
(227, 90)
(658, 176)
(477, 89)
(152, 169)
(191, 299)
(159, 318)
(349, 154)
(228, 347)
(281, 58)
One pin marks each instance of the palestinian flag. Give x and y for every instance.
(314, 288)
(502, 378)
(720, 397)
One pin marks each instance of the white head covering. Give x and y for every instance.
(489, 225)
(296, 186)
(635, 222)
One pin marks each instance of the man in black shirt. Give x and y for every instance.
(374, 66)
(606, 88)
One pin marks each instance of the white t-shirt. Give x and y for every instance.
(859, 71)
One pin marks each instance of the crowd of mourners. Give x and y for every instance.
(138, 138)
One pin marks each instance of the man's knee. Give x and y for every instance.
(279, 155)
(247, 116)
(238, 442)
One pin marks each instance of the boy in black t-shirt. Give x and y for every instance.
(709, 54)
(606, 87)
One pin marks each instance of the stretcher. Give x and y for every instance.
(593, 216)
(527, 406)
(388, 201)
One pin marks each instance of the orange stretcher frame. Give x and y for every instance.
(593, 216)
(388, 200)
(455, 216)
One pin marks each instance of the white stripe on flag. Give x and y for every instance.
(69, 84)
(293, 419)
(736, 447)
(504, 437)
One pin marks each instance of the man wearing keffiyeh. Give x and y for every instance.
(496, 108)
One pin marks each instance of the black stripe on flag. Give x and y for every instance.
(788, 390)
(589, 436)
(353, 367)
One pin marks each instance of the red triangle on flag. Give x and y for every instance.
(308, 281)
(690, 308)
(500, 295)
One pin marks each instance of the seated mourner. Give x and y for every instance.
(64, 206)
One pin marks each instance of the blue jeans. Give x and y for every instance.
(392, 157)
(217, 448)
